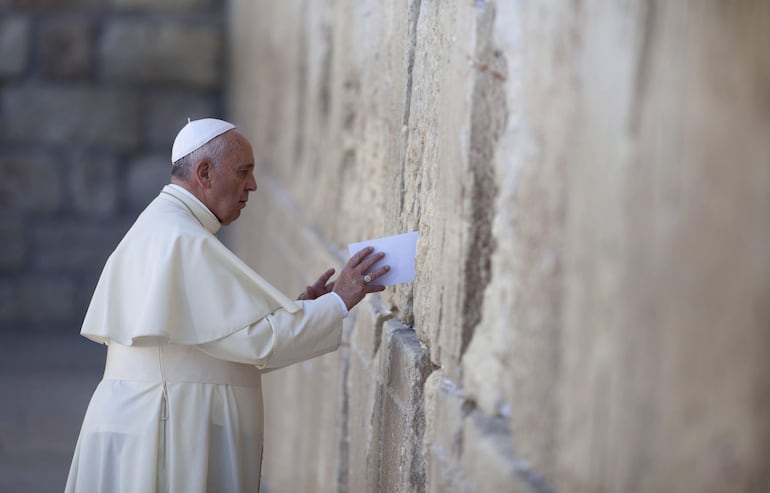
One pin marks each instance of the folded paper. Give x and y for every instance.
(399, 250)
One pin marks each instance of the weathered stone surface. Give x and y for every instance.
(592, 277)
(406, 364)
(161, 52)
(146, 178)
(32, 183)
(13, 248)
(66, 47)
(93, 183)
(364, 394)
(169, 111)
(62, 115)
(14, 45)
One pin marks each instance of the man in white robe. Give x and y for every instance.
(189, 328)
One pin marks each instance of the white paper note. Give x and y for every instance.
(399, 250)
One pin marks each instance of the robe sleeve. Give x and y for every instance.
(282, 338)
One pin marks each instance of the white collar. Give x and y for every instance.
(196, 207)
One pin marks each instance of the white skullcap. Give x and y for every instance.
(195, 134)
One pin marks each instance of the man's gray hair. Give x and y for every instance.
(212, 151)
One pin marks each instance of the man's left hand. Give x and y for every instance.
(318, 288)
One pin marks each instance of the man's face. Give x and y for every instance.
(232, 178)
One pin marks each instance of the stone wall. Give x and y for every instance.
(591, 182)
(92, 93)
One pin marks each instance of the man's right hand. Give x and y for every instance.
(351, 285)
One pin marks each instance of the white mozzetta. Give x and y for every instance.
(171, 278)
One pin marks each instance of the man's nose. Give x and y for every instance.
(251, 186)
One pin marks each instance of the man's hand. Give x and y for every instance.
(353, 282)
(318, 288)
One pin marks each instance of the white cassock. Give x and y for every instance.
(189, 329)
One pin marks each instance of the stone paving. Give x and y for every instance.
(45, 384)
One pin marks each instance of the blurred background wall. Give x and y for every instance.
(92, 93)
(591, 183)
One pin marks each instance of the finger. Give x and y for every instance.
(358, 257)
(324, 278)
(380, 272)
(330, 286)
(369, 261)
(374, 288)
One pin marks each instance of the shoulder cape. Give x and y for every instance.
(170, 277)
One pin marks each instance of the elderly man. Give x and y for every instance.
(190, 328)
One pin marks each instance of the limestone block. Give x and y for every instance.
(183, 5)
(364, 394)
(511, 366)
(663, 380)
(161, 52)
(14, 45)
(13, 248)
(93, 183)
(443, 439)
(489, 459)
(65, 46)
(75, 246)
(406, 364)
(169, 111)
(58, 115)
(437, 177)
(146, 178)
(32, 183)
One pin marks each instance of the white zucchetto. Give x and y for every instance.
(195, 134)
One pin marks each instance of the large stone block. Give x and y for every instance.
(146, 178)
(93, 183)
(364, 395)
(72, 114)
(489, 458)
(31, 183)
(65, 46)
(169, 111)
(161, 52)
(14, 45)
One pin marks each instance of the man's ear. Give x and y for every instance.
(203, 173)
